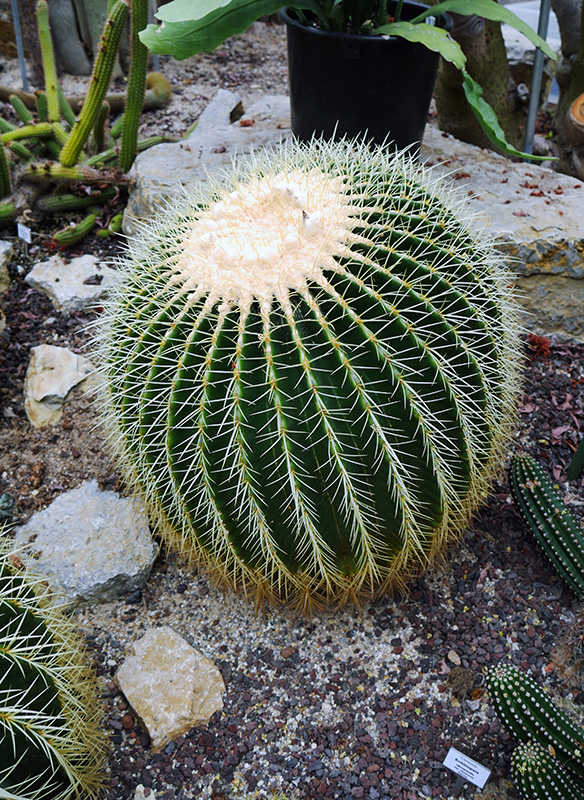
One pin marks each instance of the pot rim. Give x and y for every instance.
(443, 21)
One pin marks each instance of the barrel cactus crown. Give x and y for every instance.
(51, 747)
(310, 370)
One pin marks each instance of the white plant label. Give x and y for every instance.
(24, 232)
(466, 767)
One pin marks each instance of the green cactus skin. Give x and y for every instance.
(556, 531)
(99, 127)
(48, 58)
(5, 126)
(7, 212)
(54, 204)
(100, 78)
(136, 85)
(109, 157)
(528, 713)
(115, 225)
(51, 747)
(5, 184)
(317, 420)
(57, 172)
(66, 110)
(21, 110)
(20, 150)
(42, 107)
(40, 130)
(74, 233)
(539, 776)
(577, 464)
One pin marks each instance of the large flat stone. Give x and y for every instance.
(73, 285)
(91, 546)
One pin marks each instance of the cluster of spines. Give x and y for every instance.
(540, 776)
(529, 714)
(554, 527)
(51, 746)
(418, 300)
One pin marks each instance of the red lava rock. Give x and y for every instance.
(287, 652)
(128, 722)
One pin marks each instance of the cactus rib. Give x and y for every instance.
(555, 529)
(539, 776)
(100, 78)
(50, 744)
(528, 713)
(136, 85)
(313, 373)
(48, 58)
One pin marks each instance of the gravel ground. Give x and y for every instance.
(360, 703)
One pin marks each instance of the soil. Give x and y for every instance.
(359, 703)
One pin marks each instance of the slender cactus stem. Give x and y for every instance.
(21, 110)
(5, 184)
(48, 57)
(136, 85)
(102, 71)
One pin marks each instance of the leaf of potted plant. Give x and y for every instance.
(193, 26)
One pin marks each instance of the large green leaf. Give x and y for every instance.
(430, 36)
(489, 9)
(195, 26)
(488, 119)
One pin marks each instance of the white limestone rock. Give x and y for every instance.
(5, 255)
(52, 373)
(74, 285)
(91, 546)
(170, 685)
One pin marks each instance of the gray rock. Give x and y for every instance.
(222, 132)
(91, 546)
(51, 374)
(68, 47)
(73, 285)
(5, 254)
(536, 214)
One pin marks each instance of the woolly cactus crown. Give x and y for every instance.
(310, 370)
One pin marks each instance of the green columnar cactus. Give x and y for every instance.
(99, 126)
(528, 713)
(74, 233)
(5, 185)
(540, 776)
(53, 204)
(7, 211)
(100, 78)
(311, 371)
(21, 110)
(136, 85)
(50, 744)
(41, 130)
(556, 531)
(42, 106)
(48, 57)
(57, 172)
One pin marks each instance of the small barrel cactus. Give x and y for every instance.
(540, 776)
(529, 714)
(51, 747)
(558, 533)
(310, 371)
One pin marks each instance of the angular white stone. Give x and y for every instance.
(170, 685)
(52, 373)
(64, 282)
(5, 254)
(89, 545)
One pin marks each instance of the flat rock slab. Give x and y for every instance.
(51, 374)
(537, 214)
(91, 546)
(73, 285)
(170, 685)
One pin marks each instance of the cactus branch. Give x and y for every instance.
(21, 110)
(57, 172)
(48, 57)
(5, 186)
(100, 78)
(74, 233)
(39, 130)
(57, 203)
(136, 85)
(555, 529)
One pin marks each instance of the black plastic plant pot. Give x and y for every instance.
(367, 86)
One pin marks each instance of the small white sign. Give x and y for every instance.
(466, 767)
(23, 232)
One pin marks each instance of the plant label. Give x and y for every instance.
(23, 232)
(466, 767)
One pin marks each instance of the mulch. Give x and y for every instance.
(359, 703)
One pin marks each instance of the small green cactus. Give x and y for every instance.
(540, 776)
(555, 529)
(75, 233)
(136, 85)
(528, 713)
(51, 747)
(311, 371)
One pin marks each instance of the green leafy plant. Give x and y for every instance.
(555, 529)
(529, 714)
(193, 26)
(51, 747)
(310, 371)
